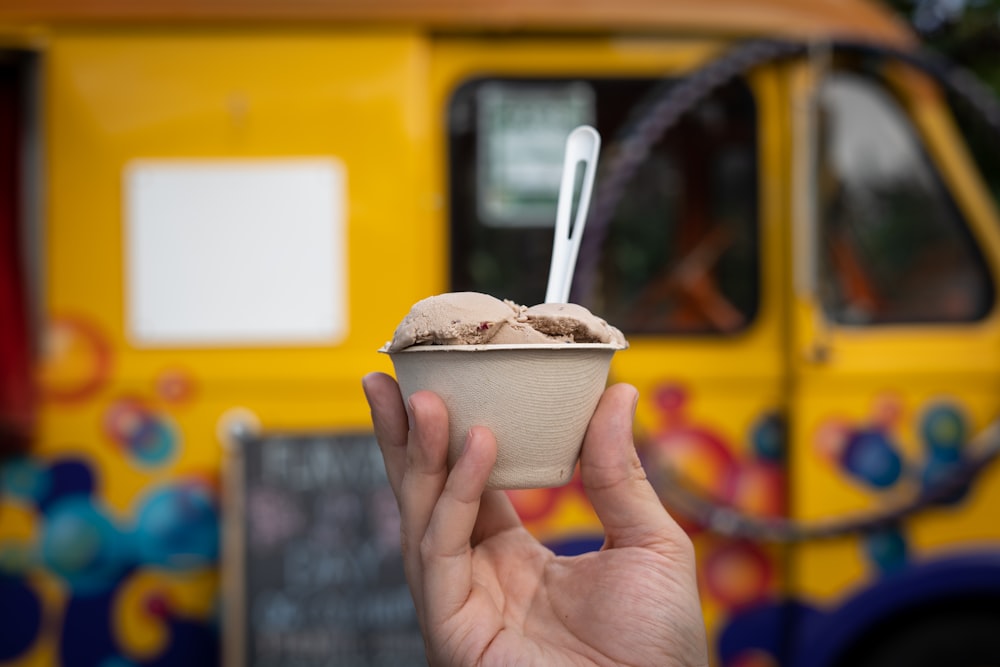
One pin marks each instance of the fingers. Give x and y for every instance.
(389, 419)
(415, 462)
(390, 424)
(424, 472)
(443, 514)
(426, 468)
(446, 549)
(615, 483)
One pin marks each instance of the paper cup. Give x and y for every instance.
(536, 399)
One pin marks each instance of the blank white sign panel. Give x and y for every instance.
(235, 253)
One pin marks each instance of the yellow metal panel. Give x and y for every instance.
(110, 96)
(114, 97)
(884, 380)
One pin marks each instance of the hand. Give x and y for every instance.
(488, 593)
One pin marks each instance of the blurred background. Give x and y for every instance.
(966, 31)
(212, 216)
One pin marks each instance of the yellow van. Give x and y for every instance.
(212, 214)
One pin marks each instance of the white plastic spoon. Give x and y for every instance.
(582, 145)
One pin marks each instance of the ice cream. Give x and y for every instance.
(533, 376)
(473, 318)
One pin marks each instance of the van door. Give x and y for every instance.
(692, 267)
(896, 331)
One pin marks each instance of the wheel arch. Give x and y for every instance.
(958, 582)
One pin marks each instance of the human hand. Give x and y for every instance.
(488, 593)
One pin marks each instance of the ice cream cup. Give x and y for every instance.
(536, 399)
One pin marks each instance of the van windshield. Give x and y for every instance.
(895, 247)
(681, 255)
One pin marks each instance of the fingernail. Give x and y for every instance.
(635, 403)
(468, 441)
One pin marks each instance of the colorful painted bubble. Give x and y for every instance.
(20, 617)
(887, 549)
(148, 437)
(737, 574)
(24, 478)
(944, 431)
(76, 360)
(768, 437)
(178, 527)
(871, 457)
(82, 545)
(175, 386)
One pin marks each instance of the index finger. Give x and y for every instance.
(446, 550)
(390, 423)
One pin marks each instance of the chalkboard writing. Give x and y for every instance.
(316, 577)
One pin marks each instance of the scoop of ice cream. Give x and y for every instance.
(473, 318)
(573, 323)
(456, 318)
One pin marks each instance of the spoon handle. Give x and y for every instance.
(582, 146)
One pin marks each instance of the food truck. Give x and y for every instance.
(213, 214)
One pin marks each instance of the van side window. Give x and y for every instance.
(681, 253)
(893, 246)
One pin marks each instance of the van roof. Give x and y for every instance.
(795, 19)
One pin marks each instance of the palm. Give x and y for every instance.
(529, 606)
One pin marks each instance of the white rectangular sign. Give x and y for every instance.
(235, 252)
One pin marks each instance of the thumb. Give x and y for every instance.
(615, 482)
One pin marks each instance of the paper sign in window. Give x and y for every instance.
(235, 253)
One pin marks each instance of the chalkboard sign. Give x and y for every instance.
(313, 572)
